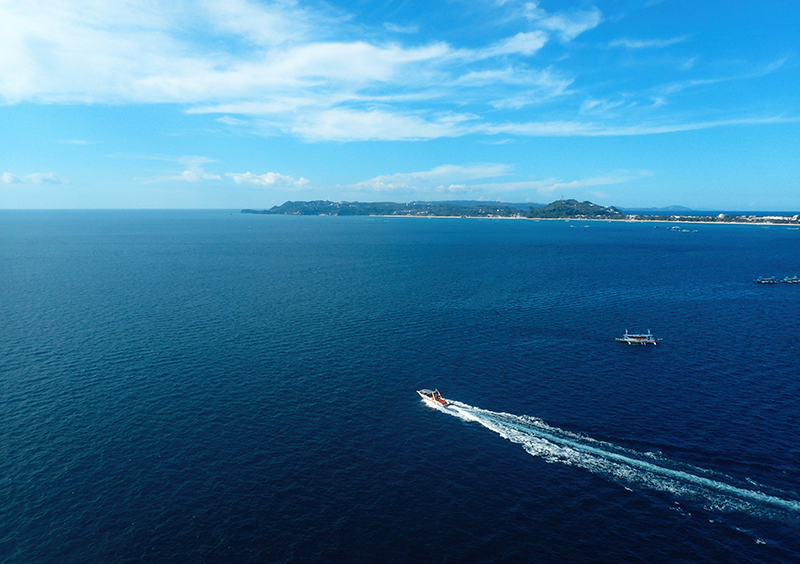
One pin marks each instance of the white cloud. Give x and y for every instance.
(271, 179)
(43, 178)
(293, 69)
(144, 51)
(8, 178)
(273, 60)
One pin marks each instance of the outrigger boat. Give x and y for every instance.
(434, 397)
(638, 338)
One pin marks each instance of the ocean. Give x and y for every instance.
(211, 386)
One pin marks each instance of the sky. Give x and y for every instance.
(230, 104)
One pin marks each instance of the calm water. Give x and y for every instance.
(221, 387)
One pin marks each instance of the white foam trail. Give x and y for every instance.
(558, 445)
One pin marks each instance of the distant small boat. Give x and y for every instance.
(434, 397)
(638, 338)
(773, 280)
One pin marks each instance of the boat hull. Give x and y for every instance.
(638, 341)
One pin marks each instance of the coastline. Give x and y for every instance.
(560, 210)
(792, 225)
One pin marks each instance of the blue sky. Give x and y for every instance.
(249, 103)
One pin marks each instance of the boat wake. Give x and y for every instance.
(628, 467)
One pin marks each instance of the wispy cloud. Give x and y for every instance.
(441, 176)
(194, 176)
(540, 86)
(43, 178)
(194, 167)
(34, 178)
(608, 180)
(269, 179)
(547, 187)
(567, 25)
(192, 162)
(470, 180)
(592, 106)
(8, 178)
(394, 28)
(524, 43)
(688, 64)
(647, 43)
(592, 129)
(355, 125)
(757, 73)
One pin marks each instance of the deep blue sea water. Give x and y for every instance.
(208, 386)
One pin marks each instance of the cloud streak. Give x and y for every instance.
(590, 129)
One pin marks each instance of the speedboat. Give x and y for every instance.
(434, 397)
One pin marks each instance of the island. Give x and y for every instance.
(422, 209)
(560, 209)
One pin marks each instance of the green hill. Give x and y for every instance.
(575, 209)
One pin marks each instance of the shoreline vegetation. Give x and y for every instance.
(560, 209)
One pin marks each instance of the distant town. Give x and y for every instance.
(560, 209)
